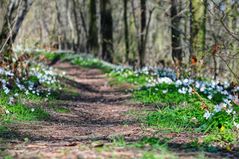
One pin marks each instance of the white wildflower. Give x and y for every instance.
(229, 111)
(209, 97)
(178, 83)
(236, 125)
(165, 80)
(207, 114)
(7, 111)
(217, 108)
(165, 91)
(6, 90)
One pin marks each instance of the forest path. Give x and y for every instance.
(97, 114)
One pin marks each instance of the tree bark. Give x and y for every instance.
(190, 31)
(92, 42)
(16, 12)
(126, 31)
(61, 37)
(142, 33)
(196, 8)
(106, 30)
(204, 26)
(77, 40)
(175, 34)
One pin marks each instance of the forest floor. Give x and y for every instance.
(95, 121)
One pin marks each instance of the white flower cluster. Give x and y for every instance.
(41, 73)
(186, 86)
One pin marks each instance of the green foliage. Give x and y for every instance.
(21, 112)
(181, 112)
(217, 136)
(3, 129)
(119, 141)
(129, 76)
(61, 110)
(149, 95)
(90, 63)
(176, 119)
(82, 60)
(51, 56)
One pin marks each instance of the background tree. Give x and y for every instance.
(204, 25)
(175, 34)
(126, 31)
(143, 11)
(197, 33)
(88, 26)
(16, 12)
(92, 42)
(106, 30)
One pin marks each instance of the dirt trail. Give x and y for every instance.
(96, 115)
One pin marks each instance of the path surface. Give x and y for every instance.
(97, 114)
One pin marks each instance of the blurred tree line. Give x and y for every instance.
(201, 36)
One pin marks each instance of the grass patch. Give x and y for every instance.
(82, 60)
(152, 147)
(3, 129)
(156, 95)
(61, 110)
(178, 112)
(90, 63)
(176, 119)
(129, 76)
(21, 112)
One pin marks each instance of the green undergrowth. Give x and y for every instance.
(82, 60)
(129, 76)
(20, 111)
(31, 107)
(153, 147)
(177, 112)
(86, 61)
(144, 147)
(184, 113)
(62, 110)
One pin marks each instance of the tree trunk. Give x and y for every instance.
(196, 8)
(175, 34)
(106, 30)
(190, 31)
(204, 26)
(142, 33)
(77, 40)
(61, 37)
(16, 12)
(92, 42)
(126, 31)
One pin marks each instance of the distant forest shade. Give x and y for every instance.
(201, 35)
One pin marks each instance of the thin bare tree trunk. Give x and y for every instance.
(126, 31)
(175, 34)
(16, 12)
(142, 33)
